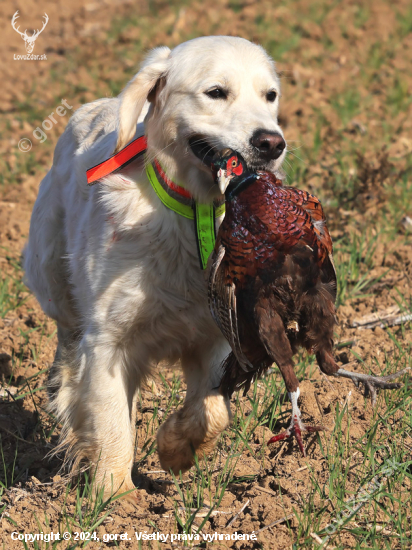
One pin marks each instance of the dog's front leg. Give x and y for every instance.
(204, 415)
(98, 423)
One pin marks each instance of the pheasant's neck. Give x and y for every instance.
(238, 185)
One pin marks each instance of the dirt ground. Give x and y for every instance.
(346, 109)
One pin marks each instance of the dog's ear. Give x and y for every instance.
(137, 92)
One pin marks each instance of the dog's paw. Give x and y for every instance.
(174, 449)
(194, 429)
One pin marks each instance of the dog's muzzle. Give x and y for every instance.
(267, 145)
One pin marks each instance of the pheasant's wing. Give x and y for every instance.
(302, 218)
(313, 206)
(277, 223)
(222, 303)
(302, 198)
(305, 200)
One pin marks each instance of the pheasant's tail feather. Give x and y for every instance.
(213, 294)
(222, 303)
(235, 340)
(234, 378)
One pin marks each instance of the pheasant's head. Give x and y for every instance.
(229, 169)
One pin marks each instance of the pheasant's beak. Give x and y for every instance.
(222, 180)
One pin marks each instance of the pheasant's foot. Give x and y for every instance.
(296, 431)
(373, 383)
(296, 426)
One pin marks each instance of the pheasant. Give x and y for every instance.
(272, 284)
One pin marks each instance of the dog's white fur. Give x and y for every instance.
(119, 272)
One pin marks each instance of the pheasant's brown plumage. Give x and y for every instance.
(273, 255)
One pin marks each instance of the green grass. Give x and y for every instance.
(11, 287)
(398, 96)
(347, 104)
(354, 261)
(361, 15)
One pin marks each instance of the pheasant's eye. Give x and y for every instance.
(232, 162)
(271, 96)
(217, 93)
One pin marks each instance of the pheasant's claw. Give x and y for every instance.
(372, 383)
(298, 435)
(280, 437)
(296, 429)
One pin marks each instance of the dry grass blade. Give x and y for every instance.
(238, 514)
(319, 405)
(265, 490)
(317, 539)
(282, 520)
(379, 529)
(385, 318)
(198, 514)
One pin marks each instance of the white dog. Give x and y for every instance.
(119, 271)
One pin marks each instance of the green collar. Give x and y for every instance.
(179, 200)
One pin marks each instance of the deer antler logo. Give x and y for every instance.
(28, 40)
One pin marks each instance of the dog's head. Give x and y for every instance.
(206, 94)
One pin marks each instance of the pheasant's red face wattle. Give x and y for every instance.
(233, 166)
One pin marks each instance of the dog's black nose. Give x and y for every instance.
(270, 145)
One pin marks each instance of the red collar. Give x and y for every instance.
(173, 186)
(134, 149)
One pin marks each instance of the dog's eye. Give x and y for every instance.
(271, 96)
(216, 93)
